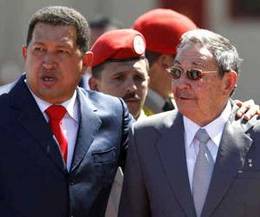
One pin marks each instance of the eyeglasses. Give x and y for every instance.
(192, 74)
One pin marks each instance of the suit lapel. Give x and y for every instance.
(231, 156)
(88, 126)
(172, 154)
(31, 118)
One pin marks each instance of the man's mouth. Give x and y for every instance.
(48, 81)
(133, 99)
(183, 96)
(48, 78)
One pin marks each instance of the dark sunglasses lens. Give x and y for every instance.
(175, 73)
(194, 74)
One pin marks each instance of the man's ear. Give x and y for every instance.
(88, 59)
(231, 79)
(93, 83)
(24, 52)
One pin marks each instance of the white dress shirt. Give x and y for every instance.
(214, 130)
(70, 122)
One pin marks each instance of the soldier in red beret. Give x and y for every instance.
(120, 68)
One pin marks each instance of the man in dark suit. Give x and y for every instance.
(50, 167)
(198, 161)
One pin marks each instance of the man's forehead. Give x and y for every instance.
(127, 65)
(193, 54)
(45, 30)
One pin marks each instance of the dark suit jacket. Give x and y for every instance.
(156, 180)
(34, 181)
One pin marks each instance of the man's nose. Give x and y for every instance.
(49, 60)
(131, 85)
(182, 82)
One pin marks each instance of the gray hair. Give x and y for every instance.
(221, 48)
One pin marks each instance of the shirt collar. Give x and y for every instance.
(70, 105)
(214, 128)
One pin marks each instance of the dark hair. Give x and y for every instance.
(152, 57)
(60, 15)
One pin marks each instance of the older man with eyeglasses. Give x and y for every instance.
(200, 160)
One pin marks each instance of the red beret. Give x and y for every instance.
(162, 29)
(119, 44)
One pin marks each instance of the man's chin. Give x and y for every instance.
(187, 111)
(134, 111)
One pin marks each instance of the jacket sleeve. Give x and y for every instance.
(134, 198)
(6, 210)
(127, 121)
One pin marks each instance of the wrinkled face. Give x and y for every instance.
(127, 79)
(53, 62)
(200, 100)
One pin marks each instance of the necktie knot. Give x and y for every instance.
(56, 112)
(202, 136)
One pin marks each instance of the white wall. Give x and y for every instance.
(245, 34)
(14, 16)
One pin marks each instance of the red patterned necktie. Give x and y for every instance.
(55, 114)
